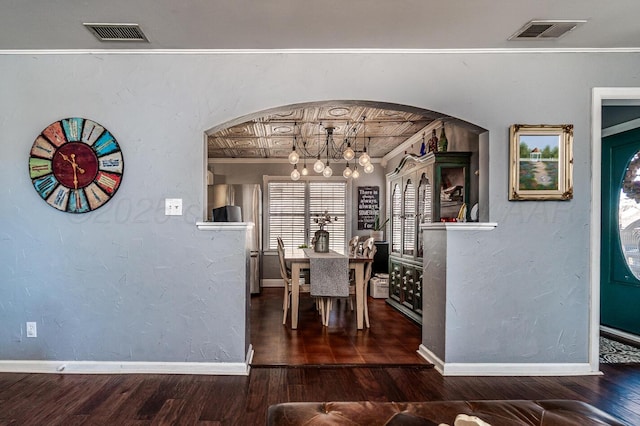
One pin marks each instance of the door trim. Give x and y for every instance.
(600, 96)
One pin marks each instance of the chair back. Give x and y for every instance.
(353, 245)
(367, 246)
(283, 266)
(280, 242)
(368, 268)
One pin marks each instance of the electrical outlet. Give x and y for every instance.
(32, 329)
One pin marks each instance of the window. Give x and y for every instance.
(293, 206)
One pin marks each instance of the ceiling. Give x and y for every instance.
(317, 24)
(384, 127)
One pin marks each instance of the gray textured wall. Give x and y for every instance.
(126, 283)
(434, 290)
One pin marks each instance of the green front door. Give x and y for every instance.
(620, 245)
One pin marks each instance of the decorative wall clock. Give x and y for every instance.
(76, 165)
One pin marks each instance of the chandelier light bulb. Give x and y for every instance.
(318, 166)
(295, 174)
(355, 174)
(327, 172)
(305, 171)
(347, 172)
(364, 159)
(368, 168)
(348, 153)
(293, 156)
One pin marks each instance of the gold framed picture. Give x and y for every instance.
(541, 162)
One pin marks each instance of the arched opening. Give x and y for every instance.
(254, 150)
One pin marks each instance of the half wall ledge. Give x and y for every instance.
(461, 226)
(224, 226)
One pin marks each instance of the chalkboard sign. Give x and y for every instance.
(368, 206)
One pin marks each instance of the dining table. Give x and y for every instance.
(300, 260)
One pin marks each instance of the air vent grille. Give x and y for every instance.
(117, 32)
(545, 29)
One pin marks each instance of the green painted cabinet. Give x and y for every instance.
(421, 190)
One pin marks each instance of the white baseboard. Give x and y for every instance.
(272, 282)
(518, 369)
(506, 369)
(622, 334)
(432, 358)
(129, 367)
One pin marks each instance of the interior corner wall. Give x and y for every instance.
(127, 283)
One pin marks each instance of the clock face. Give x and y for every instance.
(76, 165)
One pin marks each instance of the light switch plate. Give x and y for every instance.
(32, 329)
(173, 206)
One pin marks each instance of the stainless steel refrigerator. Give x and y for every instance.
(249, 199)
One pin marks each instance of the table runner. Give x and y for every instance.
(329, 273)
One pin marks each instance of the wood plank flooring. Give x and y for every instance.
(392, 339)
(56, 399)
(51, 399)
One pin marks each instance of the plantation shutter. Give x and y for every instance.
(329, 196)
(286, 213)
(294, 206)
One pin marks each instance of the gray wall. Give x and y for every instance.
(434, 284)
(126, 283)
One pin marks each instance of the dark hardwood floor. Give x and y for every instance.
(50, 399)
(392, 339)
(53, 399)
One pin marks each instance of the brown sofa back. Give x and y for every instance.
(496, 413)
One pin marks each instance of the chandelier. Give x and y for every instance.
(333, 152)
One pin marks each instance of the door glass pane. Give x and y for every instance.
(424, 207)
(409, 228)
(629, 215)
(396, 212)
(452, 191)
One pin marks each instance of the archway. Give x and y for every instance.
(243, 150)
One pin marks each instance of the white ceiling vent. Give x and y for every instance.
(117, 32)
(545, 29)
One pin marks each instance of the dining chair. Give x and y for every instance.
(286, 278)
(367, 246)
(281, 246)
(370, 253)
(367, 277)
(353, 245)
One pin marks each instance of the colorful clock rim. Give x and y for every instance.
(76, 183)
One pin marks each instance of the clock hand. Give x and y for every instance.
(74, 164)
(74, 167)
(72, 161)
(75, 176)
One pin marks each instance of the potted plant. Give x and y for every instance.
(378, 228)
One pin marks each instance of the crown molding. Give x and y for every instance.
(314, 51)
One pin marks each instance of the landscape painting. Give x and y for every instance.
(541, 162)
